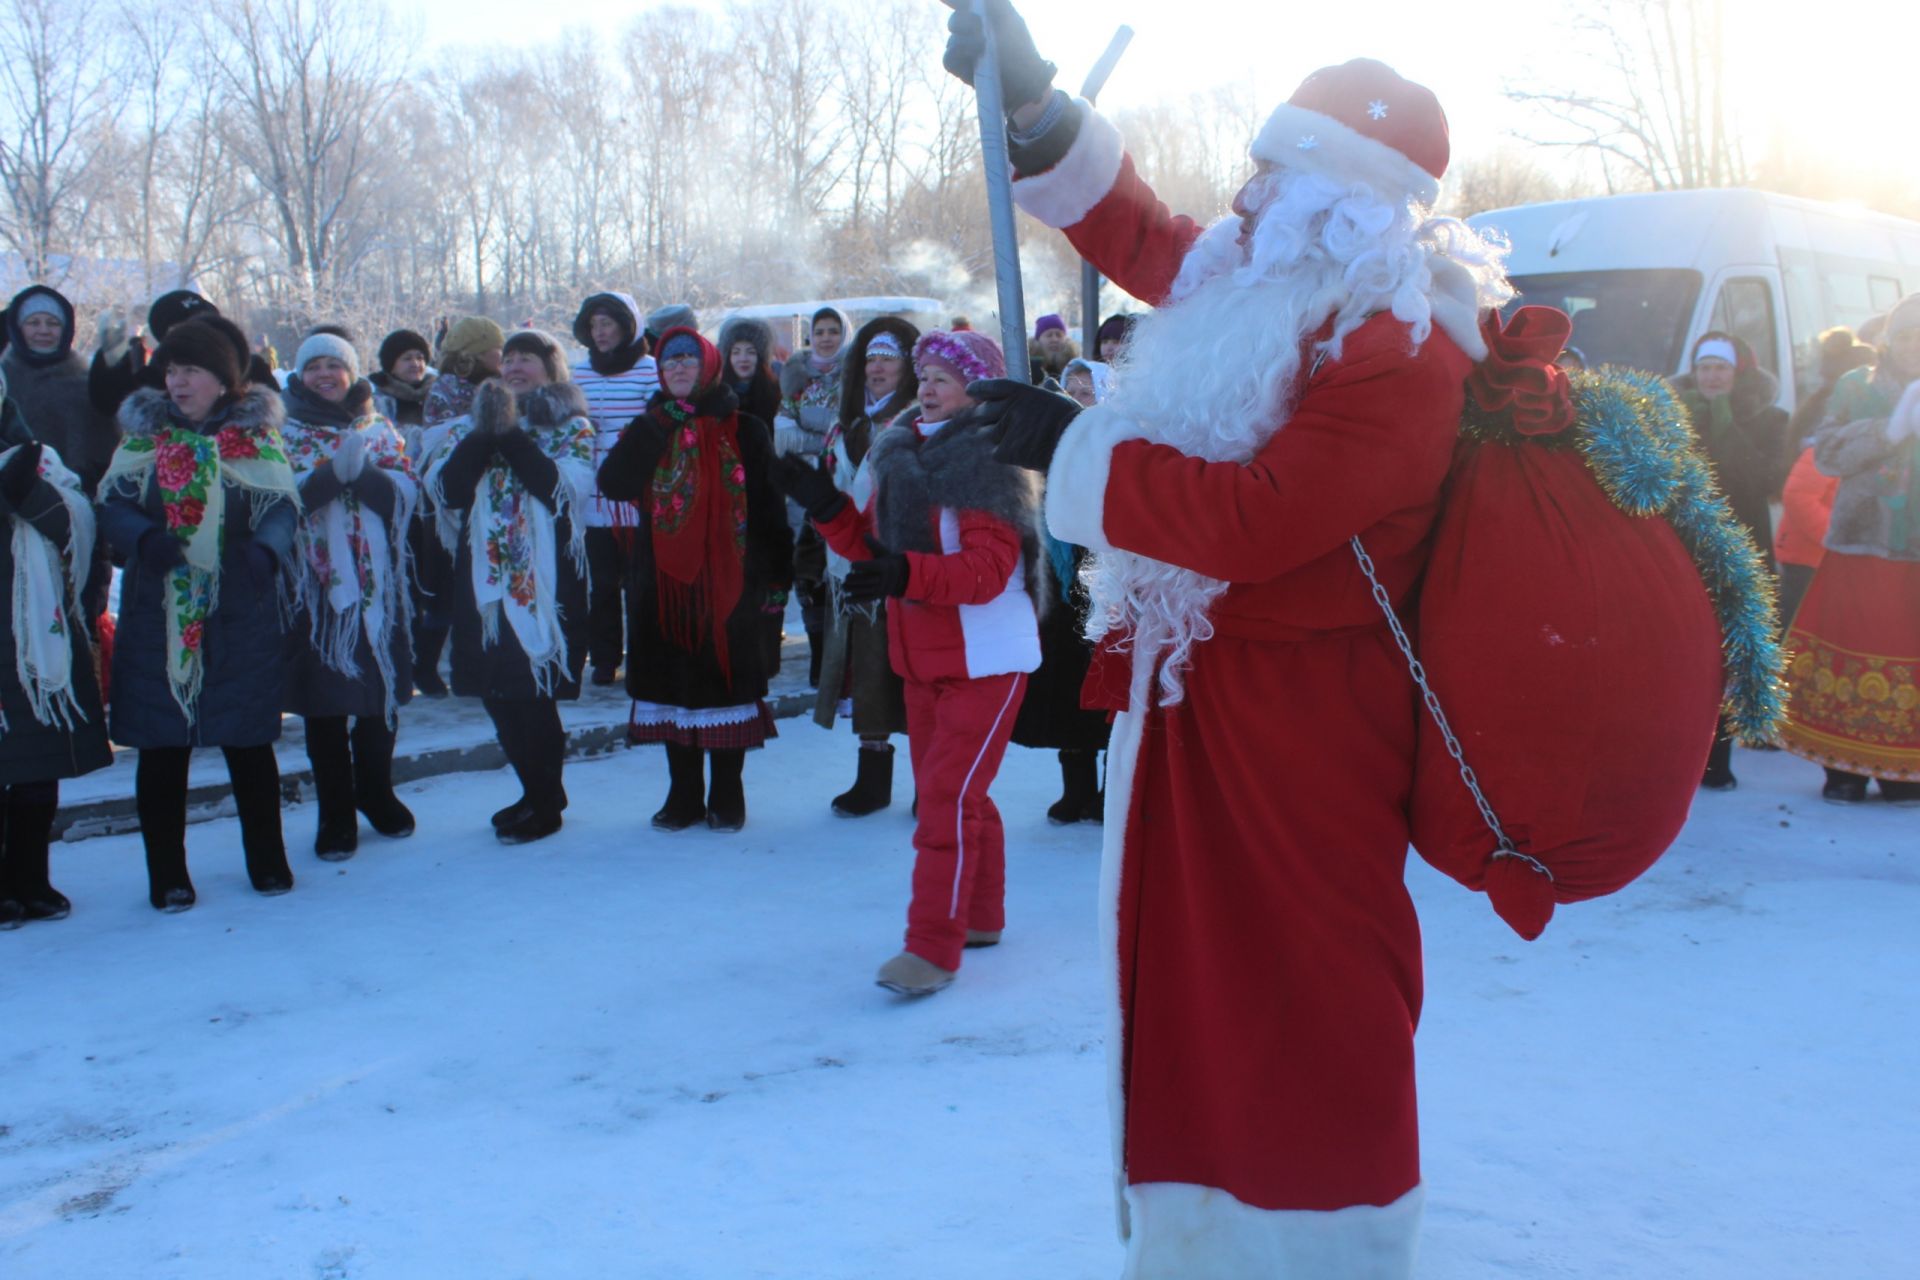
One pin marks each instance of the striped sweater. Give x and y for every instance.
(613, 401)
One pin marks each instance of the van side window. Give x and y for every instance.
(1883, 291)
(1745, 309)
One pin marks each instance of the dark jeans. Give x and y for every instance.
(535, 744)
(607, 564)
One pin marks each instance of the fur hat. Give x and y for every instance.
(204, 346)
(469, 337)
(397, 344)
(1361, 122)
(170, 309)
(969, 353)
(327, 344)
(535, 343)
(675, 315)
(745, 329)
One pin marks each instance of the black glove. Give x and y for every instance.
(809, 485)
(260, 565)
(22, 469)
(1025, 77)
(160, 551)
(1025, 422)
(884, 575)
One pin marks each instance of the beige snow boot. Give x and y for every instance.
(983, 937)
(909, 975)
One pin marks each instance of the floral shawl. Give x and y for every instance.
(353, 580)
(513, 536)
(191, 471)
(46, 591)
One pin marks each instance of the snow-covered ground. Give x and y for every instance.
(618, 1054)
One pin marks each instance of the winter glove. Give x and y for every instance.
(1024, 422)
(114, 337)
(258, 565)
(349, 456)
(1904, 424)
(810, 486)
(1025, 77)
(160, 551)
(17, 477)
(776, 605)
(884, 575)
(494, 411)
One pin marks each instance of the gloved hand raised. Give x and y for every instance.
(349, 457)
(22, 469)
(1025, 77)
(160, 551)
(114, 338)
(876, 579)
(1026, 423)
(809, 485)
(494, 412)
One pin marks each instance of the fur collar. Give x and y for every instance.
(553, 404)
(954, 468)
(148, 412)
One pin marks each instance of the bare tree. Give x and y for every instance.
(1659, 118)
(59, 95)
(310, 81)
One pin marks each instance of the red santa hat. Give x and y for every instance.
(1361, 122)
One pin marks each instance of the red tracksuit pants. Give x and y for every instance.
(957, 732)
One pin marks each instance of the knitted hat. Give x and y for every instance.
(1118, 325)
(1045, 323)
(969, 353)
(1360, 122)
(397, 344)
(535, 343)
(469, 337)
(196, 343)
(40, 304)
(170, 309)
(327, 344)
(676, 315)
(1716, 345)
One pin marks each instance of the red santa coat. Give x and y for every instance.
(1266, 953)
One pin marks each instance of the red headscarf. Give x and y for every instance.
(699, 509)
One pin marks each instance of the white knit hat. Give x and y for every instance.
(327, 344)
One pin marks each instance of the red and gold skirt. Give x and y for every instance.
(1853, 677)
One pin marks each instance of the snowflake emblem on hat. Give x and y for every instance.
(1307, 142)
(1377, 109)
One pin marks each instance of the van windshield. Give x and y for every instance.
(1633, 318)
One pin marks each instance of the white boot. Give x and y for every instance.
(909, 975)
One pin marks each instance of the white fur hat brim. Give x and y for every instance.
(1297, 138)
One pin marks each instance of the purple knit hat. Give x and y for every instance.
(969, 353)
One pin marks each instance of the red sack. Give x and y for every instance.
(1569, 637)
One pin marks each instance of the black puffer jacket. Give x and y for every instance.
(245, 641)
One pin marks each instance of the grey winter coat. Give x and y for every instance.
(245, 640)
(1873, 512)
(50, 391)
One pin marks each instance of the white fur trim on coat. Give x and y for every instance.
(1066, 193)
(1076, 496)
(1187, 1232)
(1301, 139)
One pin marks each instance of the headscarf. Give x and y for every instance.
(699, 506)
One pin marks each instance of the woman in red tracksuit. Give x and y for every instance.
(950, 534)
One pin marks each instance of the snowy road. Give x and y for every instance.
(617, 1054)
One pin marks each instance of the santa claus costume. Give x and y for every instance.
(1301, 384)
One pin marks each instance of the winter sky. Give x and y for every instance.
(1836, 86)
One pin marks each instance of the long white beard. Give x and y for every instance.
(1214, 373)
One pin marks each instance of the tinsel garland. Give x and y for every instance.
(1635, 438)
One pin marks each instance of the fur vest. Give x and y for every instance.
(916, 476)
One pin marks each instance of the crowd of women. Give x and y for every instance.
(311, 543)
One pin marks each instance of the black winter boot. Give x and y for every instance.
(1080, 789)
(23, 862)
(1719, 774)
(684, 807)
(337, 835)
(160, 796)
(1844, 788)
(1892, 790)
(373, 780)
(256, 794)
(872, 788)
(727, 797)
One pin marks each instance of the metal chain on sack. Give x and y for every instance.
(1432, 699)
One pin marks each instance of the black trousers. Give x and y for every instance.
(160, 797)
(607, 564)
(535, 744)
